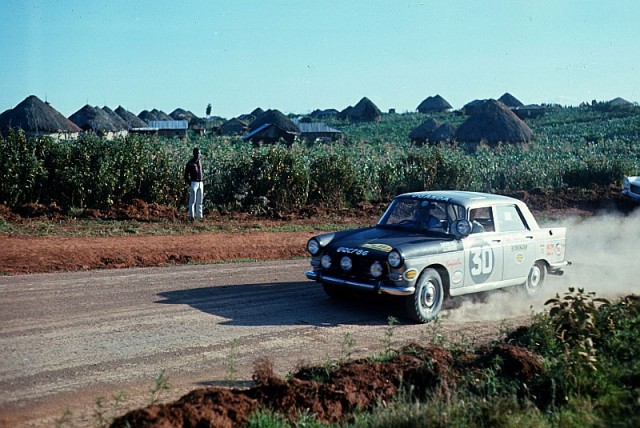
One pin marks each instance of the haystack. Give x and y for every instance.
(133, 120)
(435, 104)
(421, 134)
(493, 122)
(37, 118)
(510, 101)
(364, 111)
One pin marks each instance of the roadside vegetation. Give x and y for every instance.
(574, 366)
(577, 147)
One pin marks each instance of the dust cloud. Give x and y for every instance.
(605, 254)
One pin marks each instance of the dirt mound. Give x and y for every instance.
(333, 396)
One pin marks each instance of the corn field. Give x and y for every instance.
(574, 147)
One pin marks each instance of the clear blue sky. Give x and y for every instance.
(297, 56)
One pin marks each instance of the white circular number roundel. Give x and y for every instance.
(481, 263)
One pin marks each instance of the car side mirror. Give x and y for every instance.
(462, 228)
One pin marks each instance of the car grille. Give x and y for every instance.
(360, 271)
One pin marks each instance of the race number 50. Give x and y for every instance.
(481, 261)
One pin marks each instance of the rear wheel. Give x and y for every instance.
(425, 304)
(535, 279)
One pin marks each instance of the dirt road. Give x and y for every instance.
(67, 339)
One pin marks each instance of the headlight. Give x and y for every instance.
(326, 261)
(395, 259)
(346, 263)
(376, 270)
(313, 246)
(464, 227)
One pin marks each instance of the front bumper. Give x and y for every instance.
(628, 194)
(379, 288)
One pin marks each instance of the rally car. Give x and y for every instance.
(429, 246)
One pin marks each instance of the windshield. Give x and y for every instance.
(420, 214)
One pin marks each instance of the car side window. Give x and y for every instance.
(509, 219)
(482, 220)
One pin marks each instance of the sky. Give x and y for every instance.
(297, 56)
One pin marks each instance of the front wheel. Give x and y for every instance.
(535, 279)
(425, 304)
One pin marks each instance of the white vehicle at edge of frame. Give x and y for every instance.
(631, 187)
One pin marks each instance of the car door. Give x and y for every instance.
(483, 252)
(517, 240)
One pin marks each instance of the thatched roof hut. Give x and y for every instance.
(233, 126)
(529, 111)
(147, 116)
(256, 112)
(364, 111)
(470, 107)
(493, 122)
(116, 119)
(95, 119)
(160, 115)
(509, 100)
(435, 104)
(37, 118)
(445, 133)
(181, 114)
(133, 120)
(323, 114)
(421, 134)
(270, 127)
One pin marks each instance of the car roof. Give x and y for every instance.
(461, 197)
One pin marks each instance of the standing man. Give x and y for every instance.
(193, 176)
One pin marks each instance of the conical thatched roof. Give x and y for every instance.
(147, 116)
(509, 100)
(319, 114)
(161, 115)
(494, 122)
(422, 133)
(276, 118)
(619, 102)
(472, 106)
(94, 119)
(364, 111)
(36, 117)
(116, 119)
(133, 120)
(181, 114)
(233, 126)
(435, 104)
(445, 133)
(256, 112)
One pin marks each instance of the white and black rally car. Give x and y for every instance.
(431, 245)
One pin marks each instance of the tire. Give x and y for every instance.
(334, 291)
(425, 304)
(535, 279)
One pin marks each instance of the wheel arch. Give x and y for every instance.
(444, 276)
